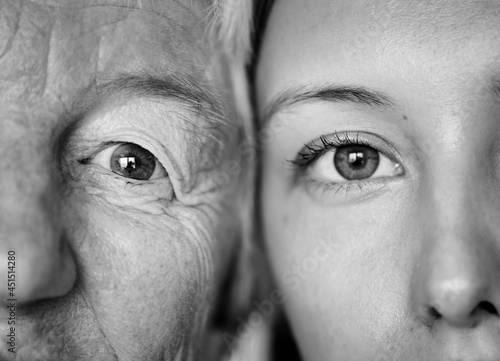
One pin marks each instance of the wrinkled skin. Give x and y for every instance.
(111, 268)
(404, 265)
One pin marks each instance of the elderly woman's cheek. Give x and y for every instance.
(143, 273)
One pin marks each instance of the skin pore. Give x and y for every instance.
(117, 121)
(380, 199)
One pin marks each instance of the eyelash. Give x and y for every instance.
(314, 151)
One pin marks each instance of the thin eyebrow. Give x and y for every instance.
(201, 100)
(357, 95)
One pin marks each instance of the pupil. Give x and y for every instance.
(356, 161)
(132, 161)
(127, 162)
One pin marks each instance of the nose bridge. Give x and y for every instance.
(458, 272)
(30, 219)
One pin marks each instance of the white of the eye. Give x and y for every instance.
(103, 159)
(324, 169)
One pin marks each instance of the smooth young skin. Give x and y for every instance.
(108, 267)
(404, 265)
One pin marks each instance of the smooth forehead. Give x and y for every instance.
(339, 29)
(414, 16)
(364, 36)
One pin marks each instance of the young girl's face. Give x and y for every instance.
(381, 177)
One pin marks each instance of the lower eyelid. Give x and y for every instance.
(93, 180)
(337, 194)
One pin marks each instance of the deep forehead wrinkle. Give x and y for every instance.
(9, 21)
(200, 99)
(158, 7)
(351, 94)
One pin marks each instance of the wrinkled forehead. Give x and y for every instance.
(61, 47)
(153, 5)
(178, 11)
(166, 21)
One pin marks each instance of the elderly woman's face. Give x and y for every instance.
(114, 193)
(381, 196)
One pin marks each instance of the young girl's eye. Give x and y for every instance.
(342, 159)
(352, 162)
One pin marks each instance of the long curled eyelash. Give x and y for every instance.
(313, 151)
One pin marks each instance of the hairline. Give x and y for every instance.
(231, 23)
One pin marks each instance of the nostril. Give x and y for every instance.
(488, 307)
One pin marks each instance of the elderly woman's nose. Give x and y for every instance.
(457, 278)
(31, 226)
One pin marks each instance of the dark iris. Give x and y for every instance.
(132, 161)
(356, 161)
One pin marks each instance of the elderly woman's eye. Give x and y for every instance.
(130, 161)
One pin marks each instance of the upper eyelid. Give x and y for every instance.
(364, 138)
(338, 142)
(184, 91)
(159, 125)
(99, 149)
(199, 99)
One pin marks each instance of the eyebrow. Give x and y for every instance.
(335, 94)
(200, 100)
